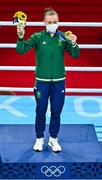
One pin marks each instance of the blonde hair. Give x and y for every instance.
(49, 11)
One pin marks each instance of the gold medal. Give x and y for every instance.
(68, 33)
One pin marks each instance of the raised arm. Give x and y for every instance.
(71, 45)
(23, 46)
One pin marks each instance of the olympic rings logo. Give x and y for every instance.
(53, 170)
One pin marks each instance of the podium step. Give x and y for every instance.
(80, 157)
(24, 133)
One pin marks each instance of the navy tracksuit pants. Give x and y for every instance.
(56, 92)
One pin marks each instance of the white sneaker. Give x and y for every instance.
(38, 146)
(53, 142)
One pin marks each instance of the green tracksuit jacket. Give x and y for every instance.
(49, 54)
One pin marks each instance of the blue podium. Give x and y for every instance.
(81, 155)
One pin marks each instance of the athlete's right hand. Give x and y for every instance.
(20, 32)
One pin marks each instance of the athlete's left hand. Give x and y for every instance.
(73, 38)
(70, 36)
